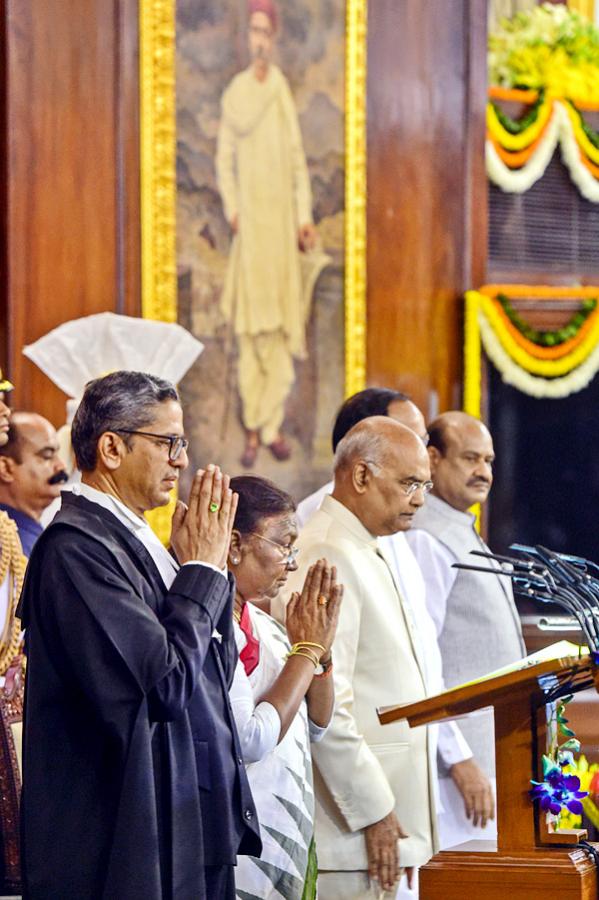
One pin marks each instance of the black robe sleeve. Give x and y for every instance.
(101, 617)
(110, 803)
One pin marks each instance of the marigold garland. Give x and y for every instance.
(519, 151)
(486, 325)
(541, 388)
(582, 139)
(497, 92)
(553, 337)
(538, 350)
(516, 159)
(547, 368)
(547, 344)
(525, 136)
(517, 172)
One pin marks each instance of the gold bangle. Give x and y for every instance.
(307, 654)
(310, 644)
(304, 651)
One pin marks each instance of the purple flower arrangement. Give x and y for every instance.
(559, 790)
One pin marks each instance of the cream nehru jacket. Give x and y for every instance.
(363, 770)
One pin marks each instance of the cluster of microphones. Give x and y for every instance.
(569, 582)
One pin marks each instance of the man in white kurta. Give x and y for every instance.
(265, 187)
(373, 783)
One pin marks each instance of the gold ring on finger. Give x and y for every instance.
(322, 600)
(214, 507)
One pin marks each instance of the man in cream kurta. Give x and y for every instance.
(265, 187)
(373, 782)
(474, 613)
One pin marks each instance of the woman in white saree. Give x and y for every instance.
(282, 693)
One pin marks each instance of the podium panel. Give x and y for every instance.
(529, 860)
(466, 873)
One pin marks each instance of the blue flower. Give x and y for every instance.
(558, 791)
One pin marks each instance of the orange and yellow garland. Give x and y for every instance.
(516, 161)
(540, 371)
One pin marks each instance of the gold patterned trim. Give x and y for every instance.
(355, 195)
(158, 141)
(158, 181)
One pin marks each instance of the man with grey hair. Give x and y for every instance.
(128, 728)
(374, 807)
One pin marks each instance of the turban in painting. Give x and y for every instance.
(264, 6)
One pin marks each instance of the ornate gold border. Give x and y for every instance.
(158, 141)
(157, 124)
(158, 186)
(355, 195)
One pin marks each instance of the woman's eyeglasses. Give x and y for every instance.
(289, 553)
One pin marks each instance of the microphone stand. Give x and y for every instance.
(549, 577)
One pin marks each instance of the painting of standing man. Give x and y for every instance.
(274, 259)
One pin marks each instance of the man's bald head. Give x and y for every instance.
(376, 439)
(375, 464)
(462, 455)
(451, 426)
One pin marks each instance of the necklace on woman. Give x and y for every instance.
(238, 608)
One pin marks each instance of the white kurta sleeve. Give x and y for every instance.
(258, 726)
(301, 179)
(435, 562)
(225, 169)
(452, 746)
(317, 732)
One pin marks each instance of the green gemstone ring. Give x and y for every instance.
(214, 507)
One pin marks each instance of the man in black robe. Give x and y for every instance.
(129, 743)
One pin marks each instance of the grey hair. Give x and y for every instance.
(119, 400)
(361, 444)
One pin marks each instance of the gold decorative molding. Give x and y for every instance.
(157, 47)
(355, 195)
(158, 183)
(158, 142)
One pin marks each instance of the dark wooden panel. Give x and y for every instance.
(72, 173)
(426, 190)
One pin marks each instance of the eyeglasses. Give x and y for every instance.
(289, 553)
(176, 443)
(413, 486)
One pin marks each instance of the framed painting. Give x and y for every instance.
(253, 144)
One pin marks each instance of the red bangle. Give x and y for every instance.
(327, 668)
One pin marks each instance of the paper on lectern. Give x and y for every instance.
(559, 650)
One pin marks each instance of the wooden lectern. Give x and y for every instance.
(528, 861)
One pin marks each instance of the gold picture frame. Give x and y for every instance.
(158, 184)
(157, 43)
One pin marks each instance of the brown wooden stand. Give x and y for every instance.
(528, 861)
